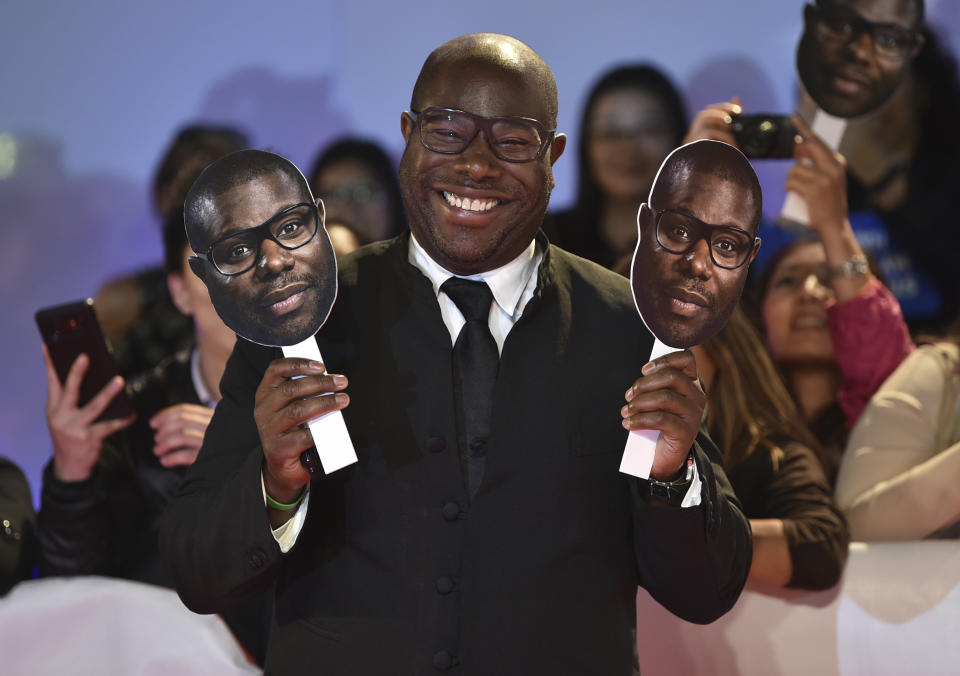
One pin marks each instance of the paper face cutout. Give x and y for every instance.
(284, 279)
(701, 215)
(853, 54)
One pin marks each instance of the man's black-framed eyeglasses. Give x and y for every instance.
(838, 22)
(290, 228)
(678, 233)
(512, 139)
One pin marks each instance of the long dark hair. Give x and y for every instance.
(644, 77)
(374, 157)
(749, 405)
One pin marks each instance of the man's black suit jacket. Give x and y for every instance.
(395, 570)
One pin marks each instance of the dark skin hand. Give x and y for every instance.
(286, 400)
(668, 398)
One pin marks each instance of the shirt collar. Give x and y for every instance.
(507, 283)
(196, 377)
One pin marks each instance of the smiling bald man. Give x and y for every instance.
(468, 539)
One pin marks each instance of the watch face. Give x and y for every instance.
(670, 493)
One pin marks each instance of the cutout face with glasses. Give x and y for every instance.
(854, 53)
(263, 252)
(697, 238)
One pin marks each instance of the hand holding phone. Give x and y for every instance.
(85, 399)
(76, 438)
(764, 136)
(71, 330)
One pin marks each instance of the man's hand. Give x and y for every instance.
(77, 439)
(667, 398)
(287, 399)
(713, 122)
(178, 433)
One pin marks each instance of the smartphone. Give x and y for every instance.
(764, 136)
(70, 330)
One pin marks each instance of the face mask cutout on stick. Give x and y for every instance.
(853, 54)
(264, 254)
(696, 240)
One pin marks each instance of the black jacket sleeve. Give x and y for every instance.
(694, 560)
(17, 524)
(814, 526)
(215, 536)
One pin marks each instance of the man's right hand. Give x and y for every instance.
(287, 399)
(77, 439)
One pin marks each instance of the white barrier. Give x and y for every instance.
(896, 611)
(101, 626)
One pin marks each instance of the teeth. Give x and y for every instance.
(467, 204)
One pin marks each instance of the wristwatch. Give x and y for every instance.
(670, 492)
(854, 266)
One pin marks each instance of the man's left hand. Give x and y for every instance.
(668, 398)
(178, 433)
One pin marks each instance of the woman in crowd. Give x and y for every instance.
(799, 535)
(834, 330)
(358, 184)
(344, 236)
(633, 118)
(898, 479)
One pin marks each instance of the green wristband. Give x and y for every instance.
(285, 507)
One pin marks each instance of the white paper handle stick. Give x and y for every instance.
(641, 445)
(830, 129)
(330, 431)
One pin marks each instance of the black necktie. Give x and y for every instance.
(475, 364)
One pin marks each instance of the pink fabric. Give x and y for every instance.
(870, 339)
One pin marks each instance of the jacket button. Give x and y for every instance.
(442, 661)
(436, 444)
(444, 585)
(257, 559)
(478, 446)
(451, 511)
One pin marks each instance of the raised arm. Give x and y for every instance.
(76, 534)
(869, 335)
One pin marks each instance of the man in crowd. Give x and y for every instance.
(698, 236)
(485, 528)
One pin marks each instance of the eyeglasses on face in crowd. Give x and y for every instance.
(678, 233)
(512, 139)
(838, 22)
(290, 228)
(359, 193)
